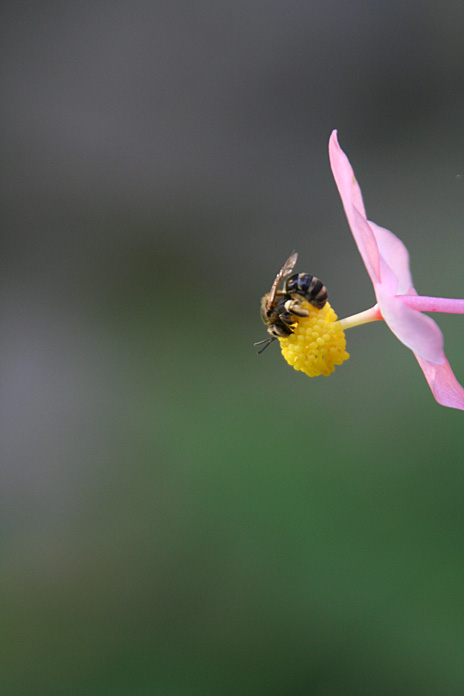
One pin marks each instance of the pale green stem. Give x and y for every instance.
(372, 314)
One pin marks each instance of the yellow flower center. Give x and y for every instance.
(317, 344)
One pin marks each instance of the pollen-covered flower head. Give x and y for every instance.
(317, 343)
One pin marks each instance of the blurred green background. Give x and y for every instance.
(177, 515)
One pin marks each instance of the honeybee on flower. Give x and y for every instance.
(320, 334)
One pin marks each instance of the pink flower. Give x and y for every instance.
(387, 263)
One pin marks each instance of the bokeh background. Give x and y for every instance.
(179, 516)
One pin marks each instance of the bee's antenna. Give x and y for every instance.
(267, 341)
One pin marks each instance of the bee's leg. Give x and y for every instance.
(294, 307)
(288, 321)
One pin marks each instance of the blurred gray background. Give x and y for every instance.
(177, 515)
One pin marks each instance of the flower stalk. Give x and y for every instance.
(446, 305)
(372, 314)
(421, 303)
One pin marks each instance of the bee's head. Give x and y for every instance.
(266, 311)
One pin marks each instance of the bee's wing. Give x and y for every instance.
(286, 269)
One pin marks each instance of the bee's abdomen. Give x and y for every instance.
(307, 286)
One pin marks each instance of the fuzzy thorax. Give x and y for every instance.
(317, 343)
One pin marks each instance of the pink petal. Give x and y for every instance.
(351, 196)
(417, 331)
(394, 253)
(444, 385)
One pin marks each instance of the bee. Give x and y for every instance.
(280, 309)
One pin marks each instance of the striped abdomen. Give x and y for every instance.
(308, 287)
